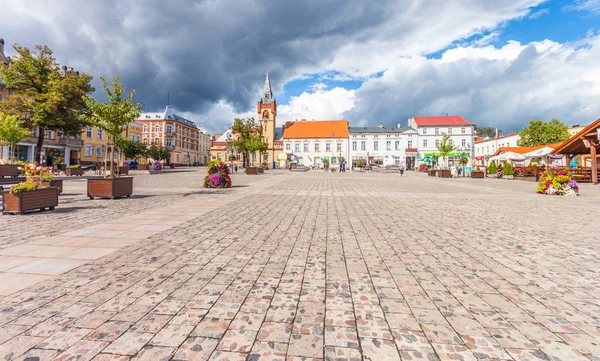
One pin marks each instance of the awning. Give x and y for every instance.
(479, 157)
(508, 156)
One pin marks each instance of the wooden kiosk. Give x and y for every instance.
(584, 143)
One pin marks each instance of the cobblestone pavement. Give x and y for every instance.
(338, 267)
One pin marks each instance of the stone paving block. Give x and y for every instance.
(93, 319)
(129, 343)
(211, 327)
(17, 346)
(247, 321)
(237, 341)
(64, 339)
(378, 349)
(306, 345)
(453, 352)
(268, 351)
(171, 335)
(37, 355)
(9, 331)
(151, 323)
(110, 357)
(228, 356)
(196, 348)
(83, 350)
(441, 334)
(341, 337)
(109, 331)
(154, 353)
(412, 341)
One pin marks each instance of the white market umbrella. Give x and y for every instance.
(508, 156)
(538, 153)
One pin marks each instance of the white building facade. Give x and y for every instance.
(313, 143)
(383, 146)
(486, 147)
(431, 130)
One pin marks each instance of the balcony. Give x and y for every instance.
(169, 133)
(70, 142)
(410, 150)
(170, 146)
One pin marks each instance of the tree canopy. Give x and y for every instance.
(11, 133)
(539, 132)
(445, 147)
(487, 131)
(44, 96)
(158, 152)
(247, 139)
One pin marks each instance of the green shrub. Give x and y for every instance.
(492, 169)
(508, 169)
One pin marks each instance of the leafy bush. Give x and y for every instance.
(361, 162)
(75, 166)
(493, 168)
(508, 169)
(26, 186)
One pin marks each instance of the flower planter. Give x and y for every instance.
(252, 170)
(445, 173)
(123, 170)
(58, 183)
(477, 174)
(22, 202)
(74, 171)
(9, 170)
(142, 167)
(109, 187)
(510, 177)
(261, 170)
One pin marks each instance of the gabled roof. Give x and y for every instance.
(523, 150)
(316, 129)
(166, 115)
(440, 120)
(574, 145)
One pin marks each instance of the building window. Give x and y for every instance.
(297, 147)
(99, 151)
(339, 147)
(437, 143)
(463, 131)
(169, 129)
(376, 145)
(451, 142)
(354, 147)
(168, 142)
(410, 143)
(219, 156)
(254, 157)
(449, 130)
(306, 147)
(88, 150)
(397, 145)
(424, 130)
(464, 143)
(388, 145)
(288, 146)
(317, 147)
(88, 132)
(363, 145)
(425, 143)
(334, 160)
(145, 129)
(100, 134)
(137, 138)
(437, 131)
(328, 147)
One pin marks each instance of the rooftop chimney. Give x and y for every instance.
(3, 60)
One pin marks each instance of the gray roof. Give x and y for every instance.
(278, 133)
(378, 130)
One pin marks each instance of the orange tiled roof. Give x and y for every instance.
(523, 150)
(316, 129)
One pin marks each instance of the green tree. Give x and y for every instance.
(361, 162)
(487, 131)
(11, 133)
(114, 115)
(44, 96)
(445, 147)
(158, 152)
(539, 132)
(133, 149)
(243, 128)
(257, 144)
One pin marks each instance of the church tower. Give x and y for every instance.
(267, 114)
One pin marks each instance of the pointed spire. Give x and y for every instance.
(267, 95)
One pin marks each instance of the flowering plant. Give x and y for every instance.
(35, 175)
(156, 166)
(218, 175)
(557, 181)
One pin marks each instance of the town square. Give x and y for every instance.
(299, 181)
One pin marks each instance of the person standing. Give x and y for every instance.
(401, 169)
(235, 168)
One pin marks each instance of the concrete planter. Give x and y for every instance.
(74, 171)
(21, 202)
(9, 170)
(58, 183)
(509, 177)
(109, 187)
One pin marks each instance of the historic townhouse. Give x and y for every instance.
(311, 142)
(383, 146)
(486, 147)
(431, 130)
(95, 141)
(180, 135)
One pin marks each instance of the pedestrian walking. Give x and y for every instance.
(401, 169)
(235, 167)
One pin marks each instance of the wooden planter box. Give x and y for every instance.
(445, 173)
(74, 171)
(29, 201)
(261, 170)
(123, 170)
(109, 187)
(142, 167)
(253, 170)
(477, 174)
(58, 183)
(9, 170)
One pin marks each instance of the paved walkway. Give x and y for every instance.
(316, 266)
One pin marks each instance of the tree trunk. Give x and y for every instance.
(39, 145)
